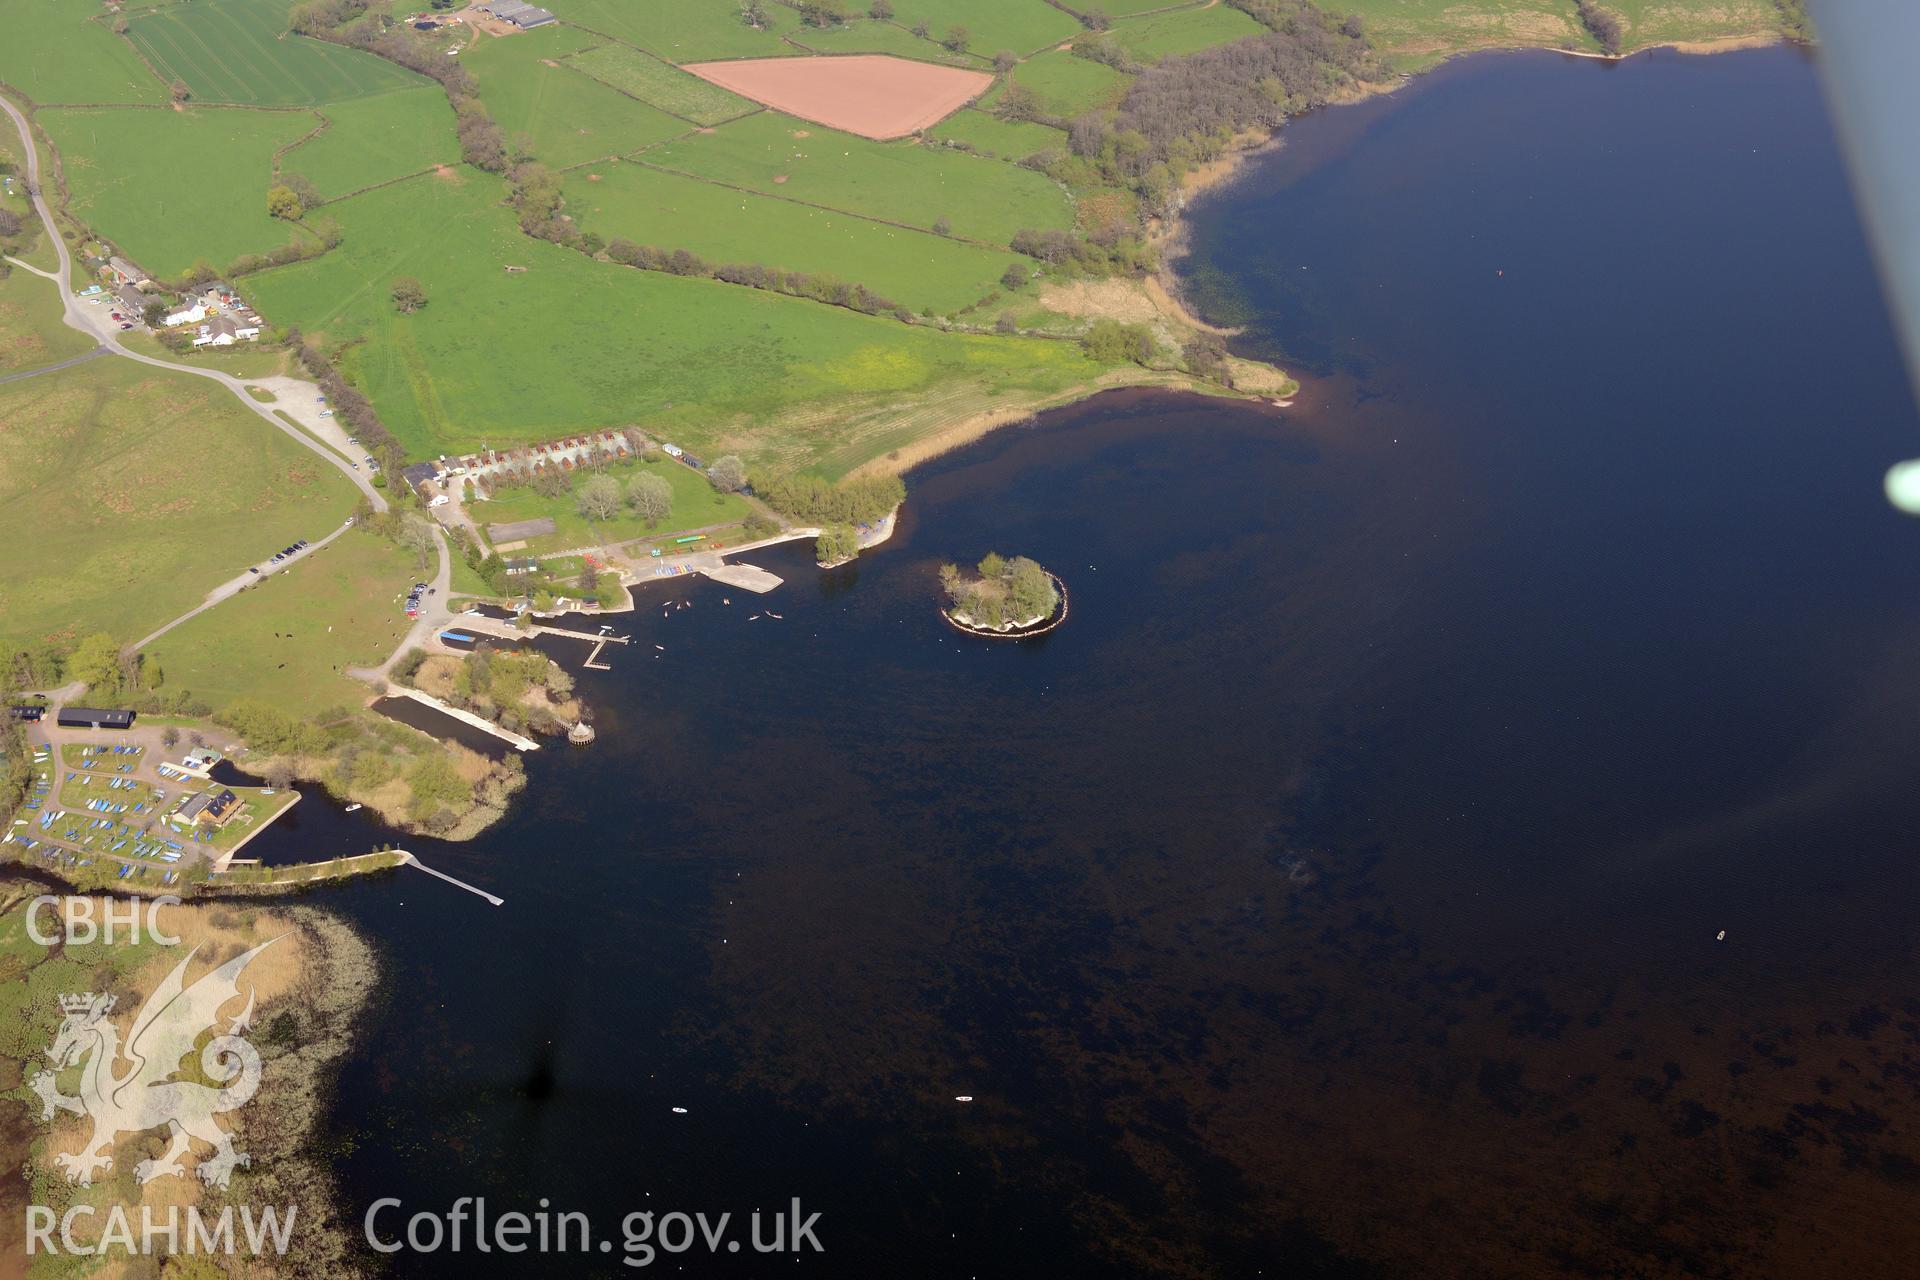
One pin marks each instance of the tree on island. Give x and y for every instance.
(409, 295)
(651, 498)
(1005, 593)
(836, 543)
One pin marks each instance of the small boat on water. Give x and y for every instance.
(772, 614)
(354, 807)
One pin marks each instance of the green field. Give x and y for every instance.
(370, 140)
(647, 206)
(869, 36)
(660, 84)
(896, 181)
(684, 30)
(123, 169)
(1024, 26)
(1423, 29)
(52, 53)
(557, 113)
(150, 489)
(273, 642)
(1653, 21)
(500, 357)
(1415, 33)
(1066, 85)
(1007, 139)
(696, 505)
(241, 51)
(31, 331)
(1184, 31)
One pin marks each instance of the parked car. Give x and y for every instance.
(301, 543)
(326, 413)
(124, 324)
(253, 568)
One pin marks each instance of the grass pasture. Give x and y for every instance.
(152, 488)
(648, 206)
(1118, 9)
(498, 358)
(1006, 139)
(54, 53)
(660, 84)
(1024, 26)
(1157, 35)
(1678, 21)
(32, 334)
(123, 170)
(562, 116)
(1066, 85)
(1421, 30)
(240, 51)
(684, 30)
(865, 35)
(896, 181)
(272, 642)
(372, 140)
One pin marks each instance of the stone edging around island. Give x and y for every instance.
(1017, 633)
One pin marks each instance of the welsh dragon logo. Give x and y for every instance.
(145, 1095)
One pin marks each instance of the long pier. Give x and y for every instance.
(408, 860)
(466, 717)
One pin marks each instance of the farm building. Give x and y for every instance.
(420, 474)
(121, 271)
(28, 713)
(93, 718)
(522, 15)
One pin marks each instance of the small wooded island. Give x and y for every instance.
(1003, 597)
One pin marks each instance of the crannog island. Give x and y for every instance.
(646, 319)
(1003, 597)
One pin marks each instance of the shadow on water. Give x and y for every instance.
(1337, 893)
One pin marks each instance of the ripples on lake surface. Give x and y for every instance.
(1337, 892)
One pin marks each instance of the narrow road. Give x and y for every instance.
(77, 317)
(433, 616)
(94, 354)
(233, 586)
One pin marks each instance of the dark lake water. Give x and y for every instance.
(1337, 893)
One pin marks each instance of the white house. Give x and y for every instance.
(224, 331)
(189, 310)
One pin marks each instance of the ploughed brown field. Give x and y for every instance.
(869, 94)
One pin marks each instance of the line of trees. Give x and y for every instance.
(348, 405)
(1605, 27)
(811, 499)
(795, 284)
(482, 144)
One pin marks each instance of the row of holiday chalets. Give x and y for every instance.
(213, 313)
(493, 468)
